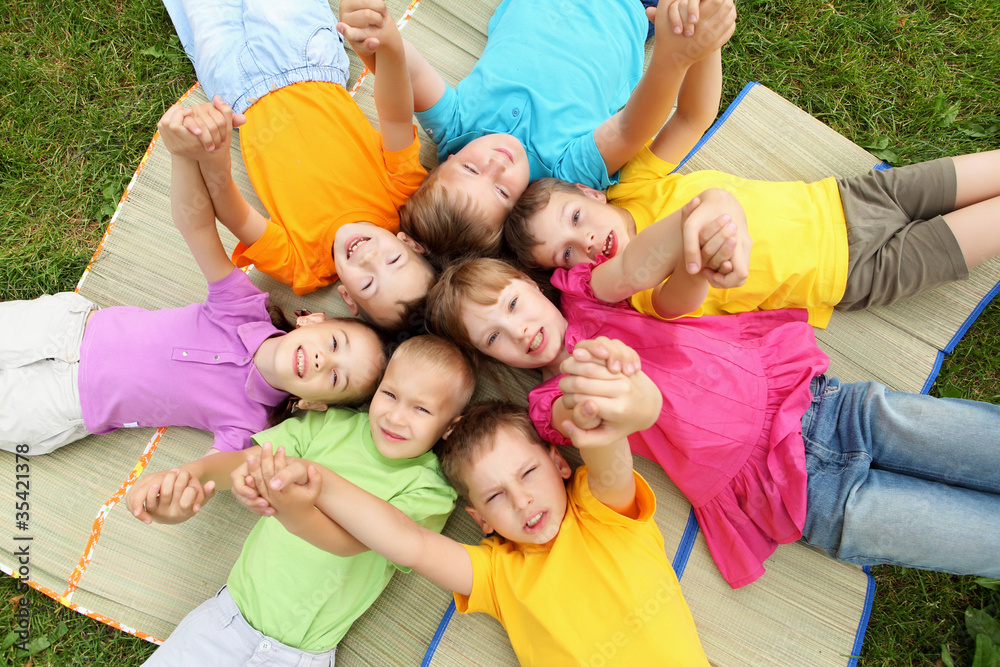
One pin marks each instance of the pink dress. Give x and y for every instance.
(735, 388)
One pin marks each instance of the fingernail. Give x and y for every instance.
(677, 31)
(692, 268)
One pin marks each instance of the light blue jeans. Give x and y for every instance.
(903, 479)
(243, 50)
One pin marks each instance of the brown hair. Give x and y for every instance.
(444, 357)
(449, 225)
(480, 280)
(516, 236)
(475, 435)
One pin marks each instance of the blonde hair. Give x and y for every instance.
(448, 224)
(517, 239)
(444, 357)
(479, 280)
(475, 435)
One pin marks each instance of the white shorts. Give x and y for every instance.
(215, 633)
(39, 361)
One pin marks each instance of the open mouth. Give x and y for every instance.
(354, 243)
(537, 341)
(610, 245)
(534, 523)
(300, 362)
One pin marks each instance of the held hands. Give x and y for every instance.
(717, 245)
(606, 405)
(273, 485)
(168, 496)
(362, 23)
(675, 22)
(201, 133)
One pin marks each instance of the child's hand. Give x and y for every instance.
(716, 21)
(716, 244)
(616, 355)
(168, 496)
(245, 490)
(681, 15)
(296, 491)
(201, 133)
(361, 24)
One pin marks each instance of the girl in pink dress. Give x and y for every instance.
(766, 448)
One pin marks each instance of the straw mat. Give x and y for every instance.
(88, 553)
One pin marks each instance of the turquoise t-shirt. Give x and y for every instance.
(550, 74)
(303, 596)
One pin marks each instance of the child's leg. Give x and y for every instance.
(39, 350)
(244, 50)
(976, 218)
(903, 478)
(215, 633)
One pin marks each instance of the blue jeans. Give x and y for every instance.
(243, 50)
(903, 479)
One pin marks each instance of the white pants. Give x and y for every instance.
(39, 360)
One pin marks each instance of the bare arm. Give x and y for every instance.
(361, 22)
(621, 136)
(385, 529)
(697, 107)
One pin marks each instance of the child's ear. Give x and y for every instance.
(478, 518)
(412, 242)
(591, 192)
(309, 318)
(342, 291)
(564, 470)
(451, 427)
(311, 405)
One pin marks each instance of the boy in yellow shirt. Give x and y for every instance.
(847, 243)
(331, 183)
(570, 572)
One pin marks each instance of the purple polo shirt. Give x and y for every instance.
(190, 366)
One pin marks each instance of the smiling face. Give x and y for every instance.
(517, 489)
(492, 170)
(522, 329)
(379, 271)
(322, 363)
(413, 407)
(576, 228)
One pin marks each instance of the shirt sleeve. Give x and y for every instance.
(540, 401)
(236, 300)
(582, 162)
(294, 434)
(483, 596)
(274, 254)
(442, 122)
(644, 498)
(232, 439)
(405, 171)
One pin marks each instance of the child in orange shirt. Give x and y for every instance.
(331, 183)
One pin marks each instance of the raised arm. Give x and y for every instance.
(697, 107)
(190, 203)
(385, 529)
(616, 406)
(621, 136)
(361, 23)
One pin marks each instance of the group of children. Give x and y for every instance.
(684, 347)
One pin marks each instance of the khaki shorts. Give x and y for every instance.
(39, 360)
(898, 243)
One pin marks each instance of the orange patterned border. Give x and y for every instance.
(400, 24)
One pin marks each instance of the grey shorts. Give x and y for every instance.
(898, 243)
(216, 634)
(39, 360)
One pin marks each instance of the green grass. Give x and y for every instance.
(82, 85)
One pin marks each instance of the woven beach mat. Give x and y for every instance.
(88, 553)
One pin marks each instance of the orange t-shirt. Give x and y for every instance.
(316, 164)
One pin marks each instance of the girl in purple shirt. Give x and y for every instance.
(766, 448)
(68, 370)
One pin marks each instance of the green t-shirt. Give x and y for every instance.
(303, 596)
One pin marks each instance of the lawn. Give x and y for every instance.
(84, 83)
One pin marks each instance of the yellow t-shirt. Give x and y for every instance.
(799, 234)
(316, 164)
(601, 592)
